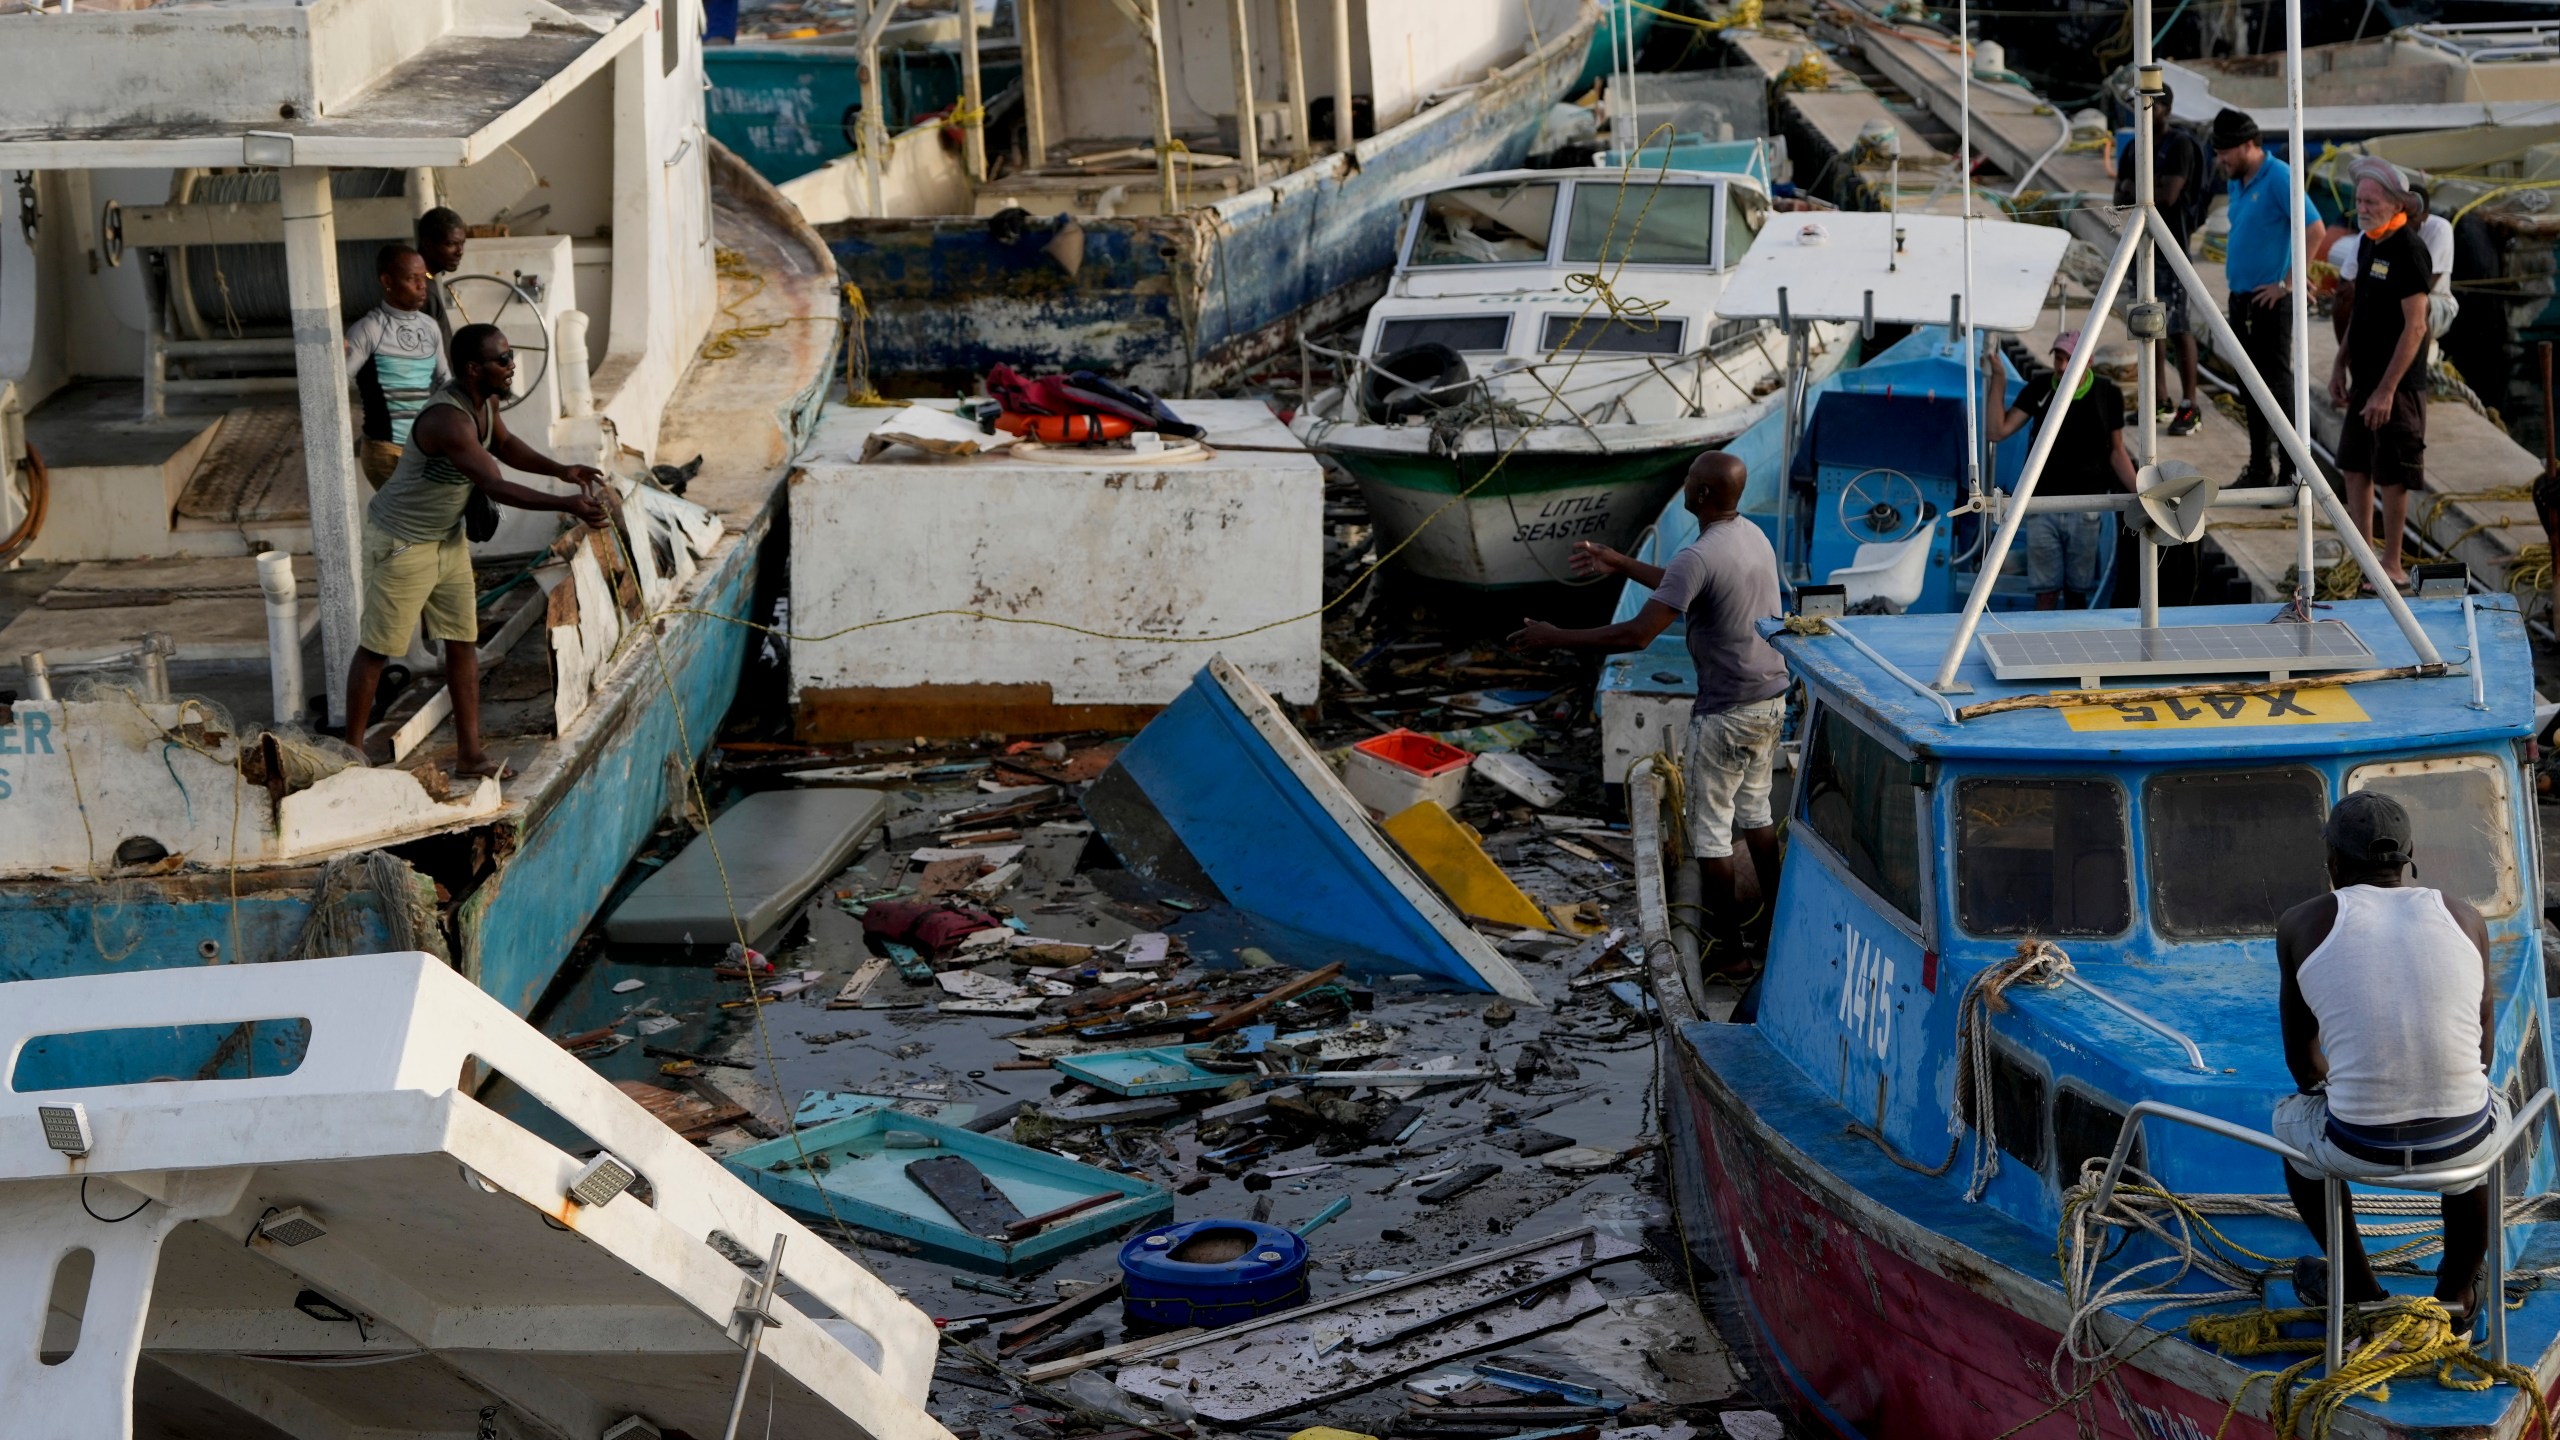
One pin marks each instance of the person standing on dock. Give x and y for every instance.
(2065, 549)
(2385, 1002)
(2177, 184)
(2263, 269)
(2376, 379)
(417, 559)
(395, 355)
(1726, 583)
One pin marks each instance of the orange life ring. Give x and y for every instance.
(1065, 429)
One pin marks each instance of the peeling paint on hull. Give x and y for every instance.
(1190, 302)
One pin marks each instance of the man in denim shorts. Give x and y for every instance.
(1726, 583)
(2065, 549)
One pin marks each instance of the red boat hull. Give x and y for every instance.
(1872, 1343)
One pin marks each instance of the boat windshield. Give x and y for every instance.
(1862, 800)
(2230, 850)
(1640, 223)
(2458, 815)
(2042, 857)
(1745, 210)
(1506, 224)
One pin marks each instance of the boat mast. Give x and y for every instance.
(2144, 234)
(1964, 164)
(2305, 586)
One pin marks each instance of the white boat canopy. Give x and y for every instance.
(1856, 265)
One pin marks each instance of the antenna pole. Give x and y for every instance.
(2150, 102)
(1964, 164)
(2306, 586)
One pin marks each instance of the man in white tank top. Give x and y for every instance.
(2387, 1029)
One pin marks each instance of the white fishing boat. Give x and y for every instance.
(358, 1246)
(200, 191)
(2418, 77)
(1548, 360)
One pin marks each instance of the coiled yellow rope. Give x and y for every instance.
(2388, 1341)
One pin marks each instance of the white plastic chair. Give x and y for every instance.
(1894, 572)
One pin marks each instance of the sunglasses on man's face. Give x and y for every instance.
(504, 362)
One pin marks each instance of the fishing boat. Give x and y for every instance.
(1550, 357)
(1143, 231)
(200, 199)
(357, 1246)
(2440, 76)
(2019, 1007)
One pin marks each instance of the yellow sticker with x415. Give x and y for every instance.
(2320, 705)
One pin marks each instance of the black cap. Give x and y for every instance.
(2232, 129)
(2370, 828)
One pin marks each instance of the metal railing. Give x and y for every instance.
(2334, 1188)
(150, 656)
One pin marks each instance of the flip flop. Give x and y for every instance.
(499, 771)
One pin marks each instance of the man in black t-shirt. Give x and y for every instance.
(2065, 550)
(2376, 379)
(2176, 175)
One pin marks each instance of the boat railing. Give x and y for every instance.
(1356, 366)
(2440, 1179)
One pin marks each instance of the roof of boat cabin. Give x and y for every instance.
(2400, 713)
(1606, 174)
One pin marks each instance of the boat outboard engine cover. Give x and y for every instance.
(1415, 382)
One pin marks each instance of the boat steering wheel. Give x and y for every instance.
(1867, 515)
(501, 297)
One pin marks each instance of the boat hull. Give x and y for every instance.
(1880, 1335)
(1184, 303)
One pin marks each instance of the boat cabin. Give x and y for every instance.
(2155, 841)
(1495, 269)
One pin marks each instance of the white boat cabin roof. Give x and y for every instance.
(1460, 236)
(1847, 265)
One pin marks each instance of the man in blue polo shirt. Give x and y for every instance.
(2261, 266)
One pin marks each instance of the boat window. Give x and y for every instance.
(2458, 816)
(1642, 224)
(1487, 225)
(2017, 1108)
(2086, 1128)
(1859, 797)
(1458, 332)
(1576, 334)
(2042, 857)
(2231, 850)
(1744, 211)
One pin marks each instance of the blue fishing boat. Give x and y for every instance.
(1148, 235)
(1986, 1146)
(1221, 796)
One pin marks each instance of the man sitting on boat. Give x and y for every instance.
(417, 558)
(2385, 1006)
(2065, 550)
(1726, 583)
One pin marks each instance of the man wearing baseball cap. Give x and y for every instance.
(2066, 551)
(2387, 1025)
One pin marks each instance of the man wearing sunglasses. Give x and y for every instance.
(417, 560)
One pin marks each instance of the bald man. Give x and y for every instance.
(1726, 583)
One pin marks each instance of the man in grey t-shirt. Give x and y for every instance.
(1726, 583)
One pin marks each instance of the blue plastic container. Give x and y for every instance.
(1210, 1273)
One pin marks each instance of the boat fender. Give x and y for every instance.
(1417, 381)
(1065, 429)
(1211, 1273)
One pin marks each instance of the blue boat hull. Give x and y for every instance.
(1189, 302)
(1221, 796)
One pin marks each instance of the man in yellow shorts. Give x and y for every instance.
(417, 560)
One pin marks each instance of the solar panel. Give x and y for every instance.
(2277, 651)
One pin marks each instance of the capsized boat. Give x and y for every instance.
(356, 1245)
(1550, 357)
(1221, 796)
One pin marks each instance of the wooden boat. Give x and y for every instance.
(1222, 797)
(951, 1192)
(355, 1245)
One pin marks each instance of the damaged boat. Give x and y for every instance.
(356, 1245)
(1141, 229)
(1548, 360)
(178, 439)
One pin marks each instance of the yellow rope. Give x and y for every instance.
(1675, 794)
(2387, 1342)
(724, 345)
(857, 350)
(1744, 16)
